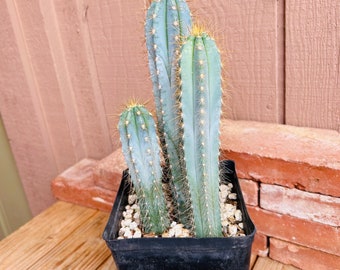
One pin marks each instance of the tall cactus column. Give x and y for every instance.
(142, 155)
(167, 22)
(201, 108)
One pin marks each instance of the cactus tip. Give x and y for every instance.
(197, 30)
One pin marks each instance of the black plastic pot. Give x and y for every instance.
(231, 253)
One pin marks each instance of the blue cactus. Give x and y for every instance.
(167, 23)
(142, 154)
(201, 108)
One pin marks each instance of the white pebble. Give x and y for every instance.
(132, 198)
(228, 211)
(238, 215)
(232, 230)
(135, 207)
(126, 222)
(128, 234)
(224, 189)
(178, 230)
(225, 223)
(137, 234)
(121, 231)
(173, 224)
(129, 211)
(232, 196)
(171, 232)
(136, 215)
(133, 225)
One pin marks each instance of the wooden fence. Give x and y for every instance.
(68, 66)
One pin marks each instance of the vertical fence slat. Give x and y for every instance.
(247, 32)
(86, 90)
(117, 34)
(312, 63)
(21, 112)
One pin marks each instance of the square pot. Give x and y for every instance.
(231, 253)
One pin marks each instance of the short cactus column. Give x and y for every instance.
(201, 109)
(142, 155)
(167, 23)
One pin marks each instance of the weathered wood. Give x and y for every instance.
(68, 67)
(265, 263)
(250, 36)
(253, 259)
(20, 107)
(312, 63)
(117, 35)
(65, 236)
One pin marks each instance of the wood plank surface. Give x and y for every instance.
(313, 63)
(65, 236)
(265, 263)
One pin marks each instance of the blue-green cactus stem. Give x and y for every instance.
(201, 109)
(167, 23)
(142, 154)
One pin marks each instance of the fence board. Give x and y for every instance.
(21, 112)
(68, 67)
(250, 34)
(78, 56)
(117, 34)
(312, 63)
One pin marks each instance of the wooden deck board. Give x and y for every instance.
(265, 263)
(67, 236)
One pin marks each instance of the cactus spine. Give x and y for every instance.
(201, 108)
(141, 152)
(167, 22)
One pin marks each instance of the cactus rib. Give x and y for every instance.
(141, 152)
(201, 98)
(167, 22)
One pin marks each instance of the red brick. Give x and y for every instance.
(302, 257)
(250, 191)
(304, 158)
(310, 234)
(301, 204)
(108, 172)
(76, 185)
(260, 245)
(286, 173)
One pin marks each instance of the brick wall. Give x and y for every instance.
(290, 178)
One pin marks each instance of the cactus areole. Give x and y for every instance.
(201, 109)
(185, 69)
(141, 152)
(168, 22)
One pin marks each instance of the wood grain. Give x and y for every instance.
(312, 63)
(249, 34)
(20, 107)
(117, 35)
(68, 67)
(264, 263)
(66, 236)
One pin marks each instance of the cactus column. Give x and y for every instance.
(201, 108)
(167, 22)
(142, 154)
